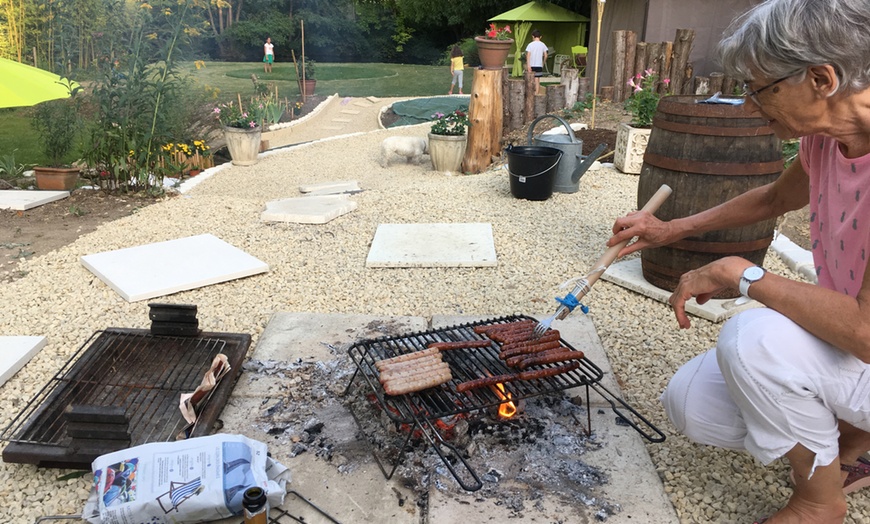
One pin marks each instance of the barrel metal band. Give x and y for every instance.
(700, 129)
(722, 247)
(713, 168)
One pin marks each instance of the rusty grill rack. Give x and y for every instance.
(131, 369)
(421, 409)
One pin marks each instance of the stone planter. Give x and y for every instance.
(631, 144)
(243, 144)
(493, 53)
(447, 152)
(56, 178)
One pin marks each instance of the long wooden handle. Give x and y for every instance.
(610, 255)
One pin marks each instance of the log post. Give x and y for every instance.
(716, 80)
(640, 55)
(506, 106)
(606, 93)
(617, 69)
(664, 69)
(541, 103)
(682, 49)
(516, 101)
(571, 82)
(687, 79)
(583, 88)
(628, 64)
(485, 113)
(702, 85)
(556, 98)
(529, 97)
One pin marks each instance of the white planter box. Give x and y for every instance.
(631, 144)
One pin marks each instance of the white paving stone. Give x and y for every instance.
(17, 351)
(22, 200)
(795, 257)
(308, 209)
(340, 186)
(154, 270)
(432, 245)
(629, 275)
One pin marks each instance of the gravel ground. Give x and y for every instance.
(322, 269)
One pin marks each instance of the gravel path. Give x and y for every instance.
(322, 269)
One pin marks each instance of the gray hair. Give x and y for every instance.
(778, 38)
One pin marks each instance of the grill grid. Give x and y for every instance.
(131, 369)
(465, 364)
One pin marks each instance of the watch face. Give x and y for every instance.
(753, 273)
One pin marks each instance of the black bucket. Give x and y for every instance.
(533, 171)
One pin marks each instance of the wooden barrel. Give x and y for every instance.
(707, 153)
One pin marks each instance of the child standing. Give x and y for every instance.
(536, 55)
(456, 67)
(268, 55)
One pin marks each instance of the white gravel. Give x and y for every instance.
(322, 269)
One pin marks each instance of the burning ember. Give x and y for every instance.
(507, 409)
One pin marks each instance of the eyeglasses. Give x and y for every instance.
(754, 94)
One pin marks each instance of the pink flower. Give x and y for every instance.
(217, 110)
(252, 124)
(667, 81)
(507, 29)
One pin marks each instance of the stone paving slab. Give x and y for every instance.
(22, 200)
(339, 186)
(16, 351)
(629, 275)
(312, 209)
(363, 494)
(432, 245)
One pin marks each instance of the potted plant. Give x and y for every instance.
(494, 46)
(447, 140)
(57, 122)
(310, 80)
(632, 139)
(242, 128)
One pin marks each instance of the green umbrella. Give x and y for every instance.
(23, 85)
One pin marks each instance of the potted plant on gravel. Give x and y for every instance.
(57, 122)
(242, 128)
(494, 46)
(310, 81)
(447, 140)
(632, 138)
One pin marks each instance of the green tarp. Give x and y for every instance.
(421, 110)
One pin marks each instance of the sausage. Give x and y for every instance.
(548, 337)
(494, 328)
(549, 372)
(514, 336)
(429, 368)
(484, 382)
(549, 357)
(404, 358)
(531, 346)
(461, 344)
(545, 347)
(402, 386)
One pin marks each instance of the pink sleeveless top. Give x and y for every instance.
(839, 213)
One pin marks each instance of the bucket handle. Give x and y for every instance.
(560, 119)
(524, 177)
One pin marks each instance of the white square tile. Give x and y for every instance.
(15, 352)
(22, 200)
(308, 209)
(154, 270)
(432, 245)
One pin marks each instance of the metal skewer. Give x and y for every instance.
(572, 299)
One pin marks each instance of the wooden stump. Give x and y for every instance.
(486, 115)
(529, 106)
(571, 83)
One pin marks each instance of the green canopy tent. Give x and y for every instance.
(561, 29)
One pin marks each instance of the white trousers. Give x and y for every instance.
(767, 386)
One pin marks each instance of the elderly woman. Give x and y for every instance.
(791, 379)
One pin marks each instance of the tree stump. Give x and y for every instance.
(516, 102)
(486, 116)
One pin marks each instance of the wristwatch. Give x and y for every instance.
(750, 275)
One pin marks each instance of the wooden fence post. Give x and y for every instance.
(682, 49)
(486, 116)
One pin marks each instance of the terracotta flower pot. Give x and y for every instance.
(56, 178)
(309, 87)
(493, 53)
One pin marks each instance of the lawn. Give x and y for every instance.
(230, 78)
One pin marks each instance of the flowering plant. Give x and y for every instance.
(235, 115)
(494, 33)
(644, 100)
(453, 123)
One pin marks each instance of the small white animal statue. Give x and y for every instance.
(411, 147)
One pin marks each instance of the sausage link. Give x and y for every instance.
(546, 347)
(402, 386)
(404, 358)
(494, 328)
(549, 357)
(429, 368)
(548, 337)
(548, 372)
(461, 344)
(484, 382)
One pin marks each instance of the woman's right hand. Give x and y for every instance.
(651, 232)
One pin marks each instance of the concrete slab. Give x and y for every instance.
(795, 257)
(22, 200)
(629, 275)
(362, 494)
(350, 111)
(325, 188)
(15, 352)
(308, 209)
(432, 245)
(154, 270)
(342, 120)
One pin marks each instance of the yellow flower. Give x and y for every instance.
(167, 11)
(132, 153)
(152, 36)
(146, 5)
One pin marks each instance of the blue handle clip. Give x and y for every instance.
(570, 302)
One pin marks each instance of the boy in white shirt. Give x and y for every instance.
(536, 55)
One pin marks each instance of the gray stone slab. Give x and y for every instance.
(795, 257)
(629, 275)
(22, 200)
(326, 188)
(315, 209)
(154, 270)
(16, 352)
(432, 245)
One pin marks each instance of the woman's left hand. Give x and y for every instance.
(704, 282)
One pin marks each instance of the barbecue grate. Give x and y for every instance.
(131, 369)
(421, 409)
